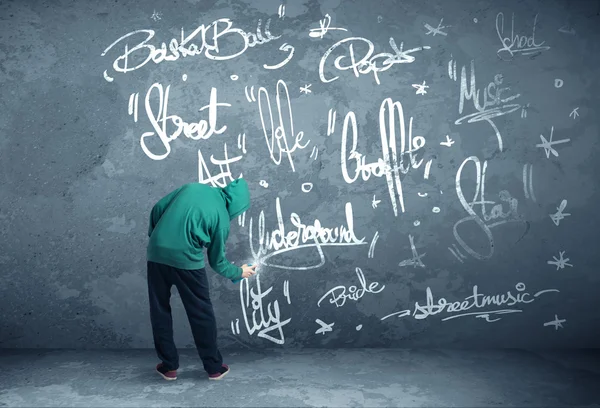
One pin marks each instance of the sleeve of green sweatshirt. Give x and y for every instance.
(159, 209)
(216, 256)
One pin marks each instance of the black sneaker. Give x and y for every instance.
(166, 374)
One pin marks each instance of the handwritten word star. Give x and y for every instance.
(437, 30)
(560, 262)
(305, 89)
(556, 322)
(547, 144)
(449, 142)
(574, 113)
(559, 214)
(375, 202)
(420, 88)
(156, 16)
(324, 327)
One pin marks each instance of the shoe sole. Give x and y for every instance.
(165, 377)
(219, 377)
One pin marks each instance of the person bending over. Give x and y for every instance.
(184, 222)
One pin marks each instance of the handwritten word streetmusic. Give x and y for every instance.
(162, 122)
(475, 301)
(210, 40)
(338, 295)
(259, 323)
(277, 140)
(494, 104)
(303, 236)
(369, 62)
(391, 163)
(516, 43)
(483, 220)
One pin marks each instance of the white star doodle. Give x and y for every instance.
(305, 89)
(437, 30)
(547, 144)
(324, 327)
(420, 88)
(574, 113)
(449, 142)
(375, 202)
(556, 322)
(559, 214)
(156, 16)
(560, 262)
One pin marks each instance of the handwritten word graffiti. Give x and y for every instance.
(494, 104)
(303, 236)
(169, 127)
(475, 301)
(368, 63)
(209, 40)
(224, 177)
(392, 163)
(259, 323)
(276, 136)
(338, 295)
(497, 216)
(324, 27)
(517, 43)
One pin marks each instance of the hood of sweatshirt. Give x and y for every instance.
(237, 197)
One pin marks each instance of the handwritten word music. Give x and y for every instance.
(475, 301)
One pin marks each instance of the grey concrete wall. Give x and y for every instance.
(423, 173)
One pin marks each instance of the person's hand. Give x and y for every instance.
(248, 271)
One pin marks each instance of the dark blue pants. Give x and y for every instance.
(192, 286)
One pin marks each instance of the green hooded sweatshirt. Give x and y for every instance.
(193, 217)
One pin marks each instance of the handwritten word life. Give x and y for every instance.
(369, 62)
(162, 121)
(475, 301)
(496, 215)
(264, 326)
(493, 104)
(391, 163)
(209, 40)
(303, 236)
(338, 295)
(276, 136)
(516, 43)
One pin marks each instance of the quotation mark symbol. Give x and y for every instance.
(331, 122)
(281, 10)
(235, 329)
(250, 95)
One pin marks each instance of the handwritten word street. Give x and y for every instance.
(169, 127)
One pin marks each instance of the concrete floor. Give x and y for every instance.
(309, 377)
